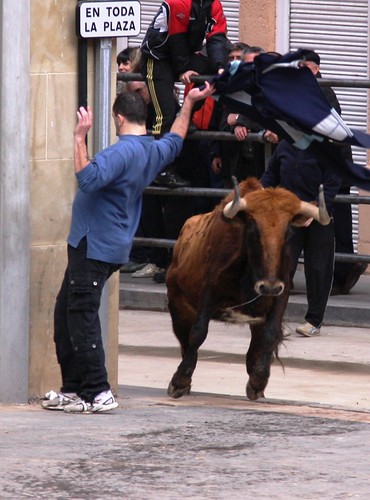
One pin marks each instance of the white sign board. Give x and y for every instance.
(108, 19)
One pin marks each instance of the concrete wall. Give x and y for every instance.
(53, 105)
(257, 23)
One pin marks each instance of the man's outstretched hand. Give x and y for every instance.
(199, 93)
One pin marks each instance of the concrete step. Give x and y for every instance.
(342, 310)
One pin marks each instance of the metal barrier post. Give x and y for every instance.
(14, 201)
(103, 57)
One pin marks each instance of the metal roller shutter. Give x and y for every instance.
(339, 32)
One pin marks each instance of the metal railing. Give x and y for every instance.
(252, 137)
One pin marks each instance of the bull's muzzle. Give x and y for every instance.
(269, 288)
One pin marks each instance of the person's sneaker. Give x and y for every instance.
(103, 402)
(146, 272)
(131, 266)
(308, 330)
(171, 179)
(58, 400)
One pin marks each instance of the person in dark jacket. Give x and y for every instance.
(346, 274)
(171, 52)
(244, 158)
(299, 172)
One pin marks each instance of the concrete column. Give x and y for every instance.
(14, 199)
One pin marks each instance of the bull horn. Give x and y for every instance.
(319, 213)
(238, 203)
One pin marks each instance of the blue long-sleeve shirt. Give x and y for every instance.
(107, 205)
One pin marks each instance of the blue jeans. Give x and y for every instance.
(77, 331)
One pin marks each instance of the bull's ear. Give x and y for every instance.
(238, 203)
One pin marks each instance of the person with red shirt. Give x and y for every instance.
(171, 52)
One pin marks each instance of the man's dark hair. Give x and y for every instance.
(311, 55)
(237, 46)
(132, 106)
(252, 49)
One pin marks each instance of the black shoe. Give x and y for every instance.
(169, 178)
(160, 277)
(132, 266)
(338, 290)
(353, 276)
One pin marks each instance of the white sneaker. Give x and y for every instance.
(103, 402)
(58, 400)
(308, 330)
(146, 272)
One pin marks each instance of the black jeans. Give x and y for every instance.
(77, 332)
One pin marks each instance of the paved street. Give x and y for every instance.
(333, 368)
(309, 439)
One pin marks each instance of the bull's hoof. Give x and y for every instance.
(177, 392)
(252, 394)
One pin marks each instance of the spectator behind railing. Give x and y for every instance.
(171, 52)
(346, 274)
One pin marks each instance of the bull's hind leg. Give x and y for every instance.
(264, 342)
(191, 337)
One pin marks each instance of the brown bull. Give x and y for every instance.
(232, 264)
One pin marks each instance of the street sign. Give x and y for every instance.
(108, 19)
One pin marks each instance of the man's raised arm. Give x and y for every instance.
(85, 120)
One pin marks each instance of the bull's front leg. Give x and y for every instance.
(181, 380)
(265, 340)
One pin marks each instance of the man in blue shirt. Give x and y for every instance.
(105, 216)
